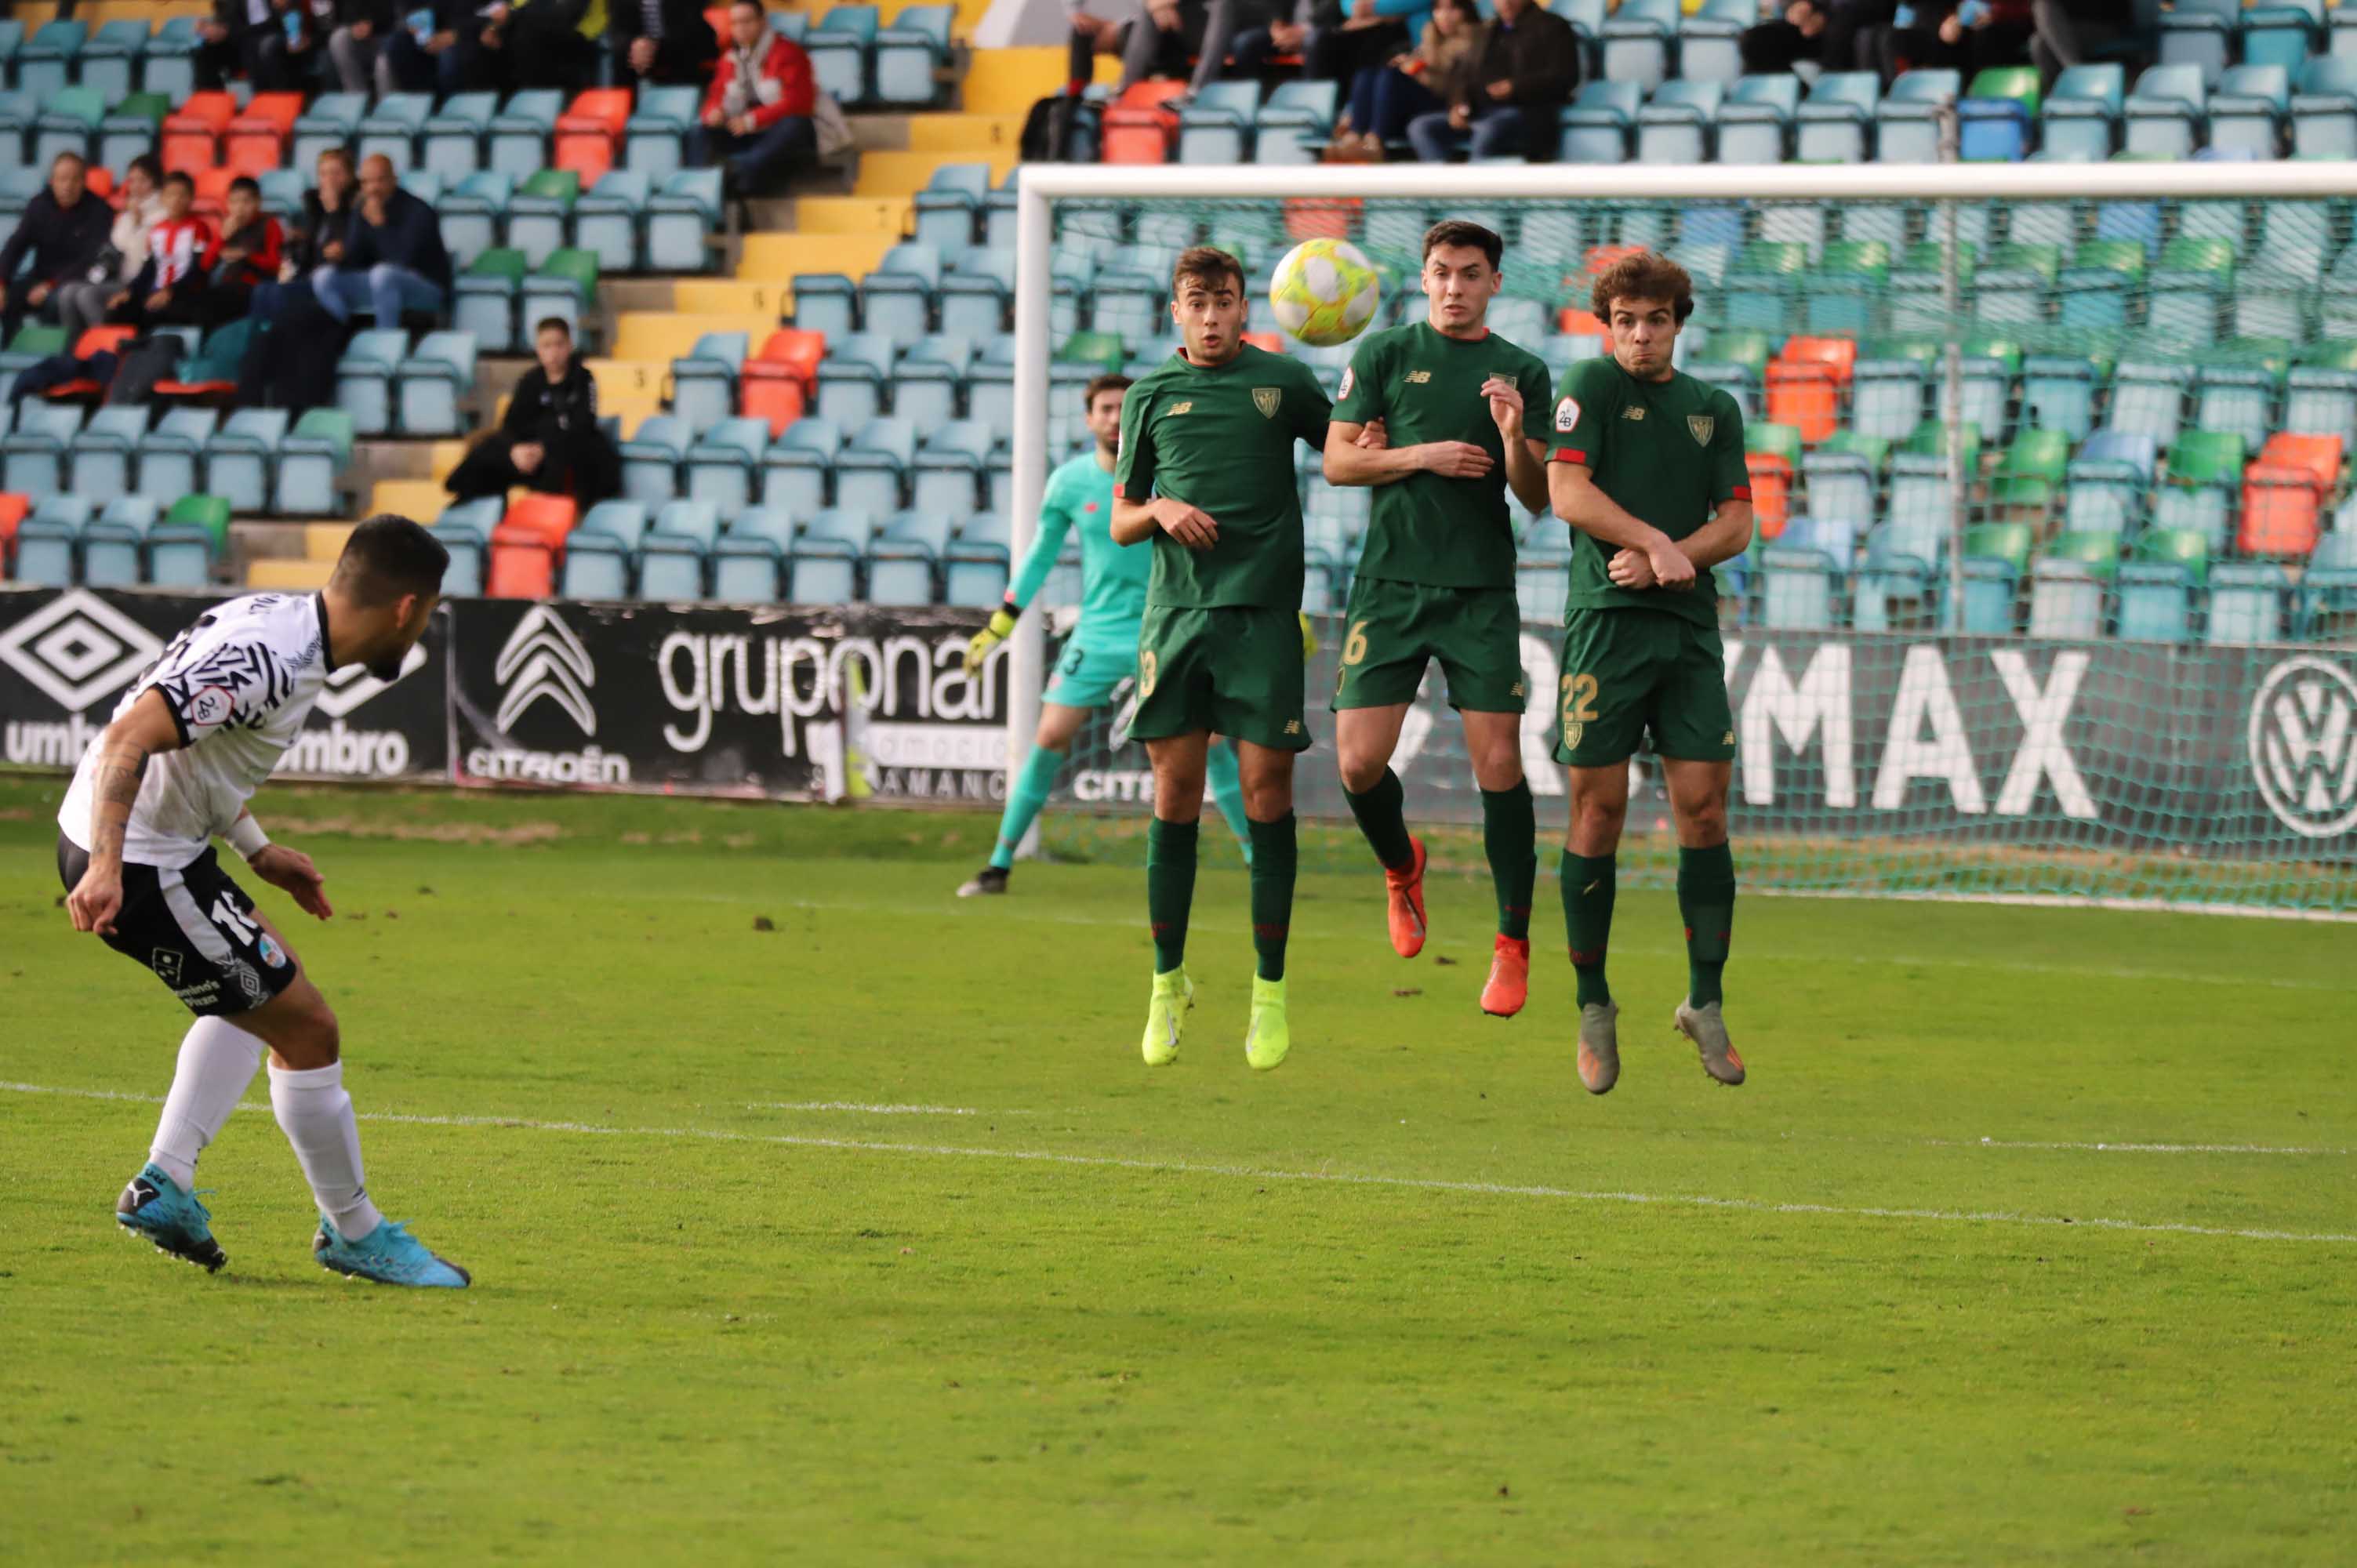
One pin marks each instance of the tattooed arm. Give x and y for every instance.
(123, 753)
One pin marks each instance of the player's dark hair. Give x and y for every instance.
(1112, 381)
(1207, 264)
(1643, 274)
(181, 178)
(553, 324)
(246, 183)
(1456, 233)
(388, 557)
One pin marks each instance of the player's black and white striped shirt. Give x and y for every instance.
(240, 682)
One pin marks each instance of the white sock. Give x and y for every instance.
(316, 1114)
(217, 1061)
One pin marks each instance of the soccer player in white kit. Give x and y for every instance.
(196, 735)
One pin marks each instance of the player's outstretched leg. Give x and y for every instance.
(1026, 794)
(1276, 857)
(1226, 787)
(1381, 818)
(1169, 897)
(1707, 902)
(1509, 835)
(1589, 882)
(218, 1059)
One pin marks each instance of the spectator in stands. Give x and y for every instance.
(1839, 35)
(549, 441)
(1286, 33)
(393, 258)
(1369, 33)
(1385, 99)
(1967, 36)
(2066, 28)
(667, 42)
(356, 45)
(61, 235)
(258, 39)
(251, 247)
(756, 113)
(84, 304)
(436, 49)
(170, 287)
(541, 43)
(320, 234)
(1157, 42)
(1514, 95)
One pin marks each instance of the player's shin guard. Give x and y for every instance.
(1025, 796)
(1707, 902)
(1226, 783)
(1510, 835)
(1382, 819)
(1170, 889)
(1588, 889)
(316, 1114)
(1275, 856)
(218, 1059)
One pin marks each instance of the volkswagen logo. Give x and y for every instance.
(2303, 744)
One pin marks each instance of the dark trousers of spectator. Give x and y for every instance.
(587, 469)
(1340, 54)
(1147, 51)
(1496, 132)
(543, 54)
(676, 65)
(189, 306)
(2061, 39)
(760, 162)
(414, 70)
(1846, 43)
(1918, 49)
(1384, 100)
(258, 55)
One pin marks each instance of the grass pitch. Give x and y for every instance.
(817, 1216)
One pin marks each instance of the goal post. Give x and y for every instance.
(1870, 739)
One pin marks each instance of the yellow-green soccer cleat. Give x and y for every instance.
(1165, 1017)
(1269, 1036)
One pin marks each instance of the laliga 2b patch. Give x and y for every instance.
(1350, 380)
(211, 706)
(1566, 415)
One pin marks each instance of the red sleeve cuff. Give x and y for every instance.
(1567, 454)
(1118, 494)
(1739, 493)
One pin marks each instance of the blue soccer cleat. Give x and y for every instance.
(156, 1207)
(389, 1254)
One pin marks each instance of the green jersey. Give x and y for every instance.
(1222, 441)
(1666, 453)
(1113, 580)
(1425, 386)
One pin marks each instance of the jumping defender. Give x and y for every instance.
(1102, 654)
(1466, 413)
(189, 742)
(1646, 467)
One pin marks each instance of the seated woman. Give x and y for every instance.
(1384, 98)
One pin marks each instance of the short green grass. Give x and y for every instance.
(1415, 1298)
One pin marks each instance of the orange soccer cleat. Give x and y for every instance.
(1510, 978)
(1405, 892)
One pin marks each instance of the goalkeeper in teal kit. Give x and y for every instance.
(1100, 659)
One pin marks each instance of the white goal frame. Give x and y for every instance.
(1039, 185)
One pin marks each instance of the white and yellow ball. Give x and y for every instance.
(1325, 292)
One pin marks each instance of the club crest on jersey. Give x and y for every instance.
(1265, 399)
(1350, 380)
(1566, 415)
(210, 707)
(1701, 425)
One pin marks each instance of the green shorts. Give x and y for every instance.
(1234, 670)
(1394, 629)
(1089, 677)
(1630, 672)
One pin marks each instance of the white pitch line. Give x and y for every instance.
(1341, 1178)
(856, 1108)
(2137, 1148)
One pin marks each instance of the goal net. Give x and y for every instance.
(2047, 600)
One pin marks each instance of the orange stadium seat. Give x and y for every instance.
(2280, 511)
(1771, 491)
(2319, 455)
(1141, 128)
(520, 572)
(778, 398)
(257, 138)
(792, 351)
(1837, 354)
(192, 132)
(13, 508)
(544, 520)
(590, 134)
(1806, 395)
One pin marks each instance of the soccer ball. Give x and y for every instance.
(1325, 292)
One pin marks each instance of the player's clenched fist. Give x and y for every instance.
(1505, 406)
(1188, 525)
(96, 899)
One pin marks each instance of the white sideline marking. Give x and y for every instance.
(2138, 1148)
(1344, 1179)
(855, 1107)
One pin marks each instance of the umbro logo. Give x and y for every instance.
(543, 658)
(78, 648)
(352, 684)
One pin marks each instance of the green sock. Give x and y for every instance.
(1273, 861)
(1170, 889)
(1509, 833)
(1227, 789)
(1707, 901)
(1380, 818)
(1588, 886)
(1025, 793)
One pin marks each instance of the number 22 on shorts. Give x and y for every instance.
(1578, 706)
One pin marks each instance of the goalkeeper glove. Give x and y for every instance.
(1308, 637)
(1001, 627)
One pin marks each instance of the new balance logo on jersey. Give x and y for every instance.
(1179, 408)
(1292, 726)
(1633, 412)
(543, 658)
(1417, 378)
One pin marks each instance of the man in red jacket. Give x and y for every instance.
(757, 114)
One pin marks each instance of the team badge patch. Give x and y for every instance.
(1265, 399)
(1350, 380)
(1566, 415)
(1701, 425)
(271, 953)
(1571, 734)
(209, 708)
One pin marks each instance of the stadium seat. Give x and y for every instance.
(316, 450)
(871, 469)
(1141, 127)
(45, 64)
(928, 379)
(904, 559)
(722, 464)
(2248, 109)
(34, 451)
(1755, 119)
(1216, 124)
(2066, 601)
(392, 127)
(1597, 124)
(703, 381)
(2247, 602)
(1837, 122)
(1674, 125)
(68, 121)
(332, 120)
(2281, 510)
(1907, 120)
(101, 453)
(484, 296)
(658, 124)
(839, 45)
(588, 134)
(909, 54)
(975, 294)
(364, 378)
(168, 454)
(2148, 397)
(796, 467)
(519, 132)
(1995, 115)
(2324, 108)
(828, 553)
(652, 456)
(540, 211)
(672, 553)
(240, 454)
(681, 217)
(949, 470)
(852, 378)
(2199, 35)
(1641, 42)
(1292, 126)
(2167, 114)
(114, 543)
(452, 140)
(2080, 116)
(948, 209)
(896, 299)
(748, 560)
(433, 383)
